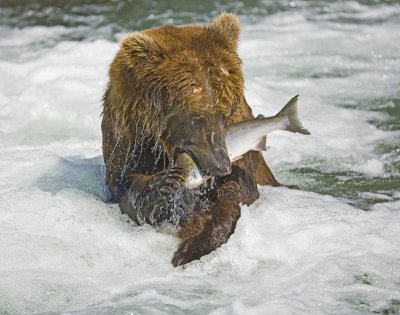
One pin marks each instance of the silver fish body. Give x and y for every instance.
(248, 135)
(245, 136)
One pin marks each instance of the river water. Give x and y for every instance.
(332, 247)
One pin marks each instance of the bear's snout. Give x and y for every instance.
(210, 159)
(202, 136)
(218, 164)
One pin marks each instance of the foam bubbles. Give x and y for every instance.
(372, 167)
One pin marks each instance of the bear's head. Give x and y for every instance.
(187, 82)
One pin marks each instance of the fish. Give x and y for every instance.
(245, 136)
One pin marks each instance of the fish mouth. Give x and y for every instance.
(192, 154)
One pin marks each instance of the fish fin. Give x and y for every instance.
(261, 145)
(290, 115)
(260, 116)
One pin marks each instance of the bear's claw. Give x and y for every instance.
(168, 182)
(150, 204)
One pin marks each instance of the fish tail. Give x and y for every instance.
(290, 115)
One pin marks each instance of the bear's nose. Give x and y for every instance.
(220, 165)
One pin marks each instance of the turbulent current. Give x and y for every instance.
(331, 247)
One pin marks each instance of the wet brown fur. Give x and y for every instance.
(158, 73)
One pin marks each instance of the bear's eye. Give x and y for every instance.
(160, 55)
(227, 72)
(223, 70)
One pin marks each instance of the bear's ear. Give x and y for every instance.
(228, 25)
(138, 46)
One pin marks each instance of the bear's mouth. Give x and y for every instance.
(209, 161)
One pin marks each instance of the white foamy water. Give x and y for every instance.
(64, 250)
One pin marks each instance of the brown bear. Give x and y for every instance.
(173, 90)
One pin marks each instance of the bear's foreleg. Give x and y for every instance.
(210, 229)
